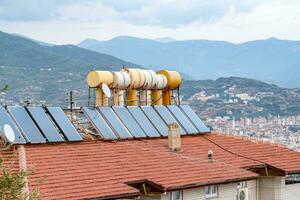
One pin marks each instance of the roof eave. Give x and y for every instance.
(117, 196)
(195, 185)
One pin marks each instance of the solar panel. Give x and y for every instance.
(143, 121)
(129, 121)
(115, 122)
(64, 124)
(45, 124)
(17, 138)
(168, 117)
(26, 124)
(182, 119)
(194, 118)
(99, 123)
(155, 119)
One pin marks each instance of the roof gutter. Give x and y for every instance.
(195, 185)
(118, 196)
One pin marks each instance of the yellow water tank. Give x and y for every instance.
(96, 78)
(173, 77)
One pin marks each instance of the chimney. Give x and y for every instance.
(174, 138)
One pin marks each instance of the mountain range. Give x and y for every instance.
(46, 72)
(271, 60)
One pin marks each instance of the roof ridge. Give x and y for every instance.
(187, 157)
(248, 138)
(251, 139)
(229, 151)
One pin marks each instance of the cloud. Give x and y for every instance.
(67, 21)
(165, 13)
(22, 10)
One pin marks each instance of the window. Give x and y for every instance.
(211, 191)
(175, 195)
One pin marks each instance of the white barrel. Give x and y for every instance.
(121, 80)
(150, 79)
(137, 77)
(161, 82)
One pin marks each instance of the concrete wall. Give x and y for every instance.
(225, 192)
(291, 192)
(274, 188)
(252, 187)
(151, 197)
(270, 188)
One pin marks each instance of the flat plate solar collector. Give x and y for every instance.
(26, 124)
(99, 123)
(5, 118)
(45, 124)
(64, 124)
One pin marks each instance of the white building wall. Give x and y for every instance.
(291, 192)
(151, 197)
(252, 189)
(225, 192)
(270, 188)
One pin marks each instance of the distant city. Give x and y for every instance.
(275, 129)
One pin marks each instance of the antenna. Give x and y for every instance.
(9, 133)
(71, 100)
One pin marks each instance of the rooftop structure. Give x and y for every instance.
(132, 146)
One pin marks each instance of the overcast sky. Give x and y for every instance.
(70, 21)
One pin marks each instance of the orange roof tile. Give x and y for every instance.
(102, 169)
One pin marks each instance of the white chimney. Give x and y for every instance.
(174, 138)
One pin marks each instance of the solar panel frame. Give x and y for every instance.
(182, 119)
(156, 120)
(130, 123)
(168, 117)
(143, 121)
(102, 127)
(194, 118)
(64, 124)
(26, 124)
(5, 118)
(44, 123)
(115, 122)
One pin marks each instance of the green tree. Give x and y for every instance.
(4, 88)
(12, 184)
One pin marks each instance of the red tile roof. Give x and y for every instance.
(102, 169)
(274, 155)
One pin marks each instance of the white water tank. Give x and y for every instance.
(121, 80)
